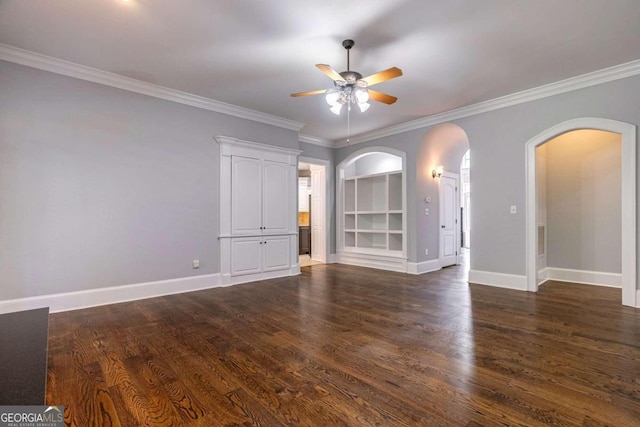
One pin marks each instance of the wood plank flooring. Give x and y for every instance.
(349, 346)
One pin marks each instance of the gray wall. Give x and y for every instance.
(103, 187)
(583, 185)
(497, 140)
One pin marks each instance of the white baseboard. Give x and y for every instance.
(381, 262)
(638, 298)
(500, 280)
(585, 277)
(543, 275)
(333, 258)
(111, 295)
(229, 280)
(423, 267)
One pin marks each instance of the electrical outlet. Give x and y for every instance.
(426, 251)
(426, 211)
(513, 210)
(196, 263)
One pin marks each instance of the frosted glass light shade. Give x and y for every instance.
(332, 97)
(364, 106)
(362, 95)
(336, 108)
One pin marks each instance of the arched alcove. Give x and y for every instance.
(371, 209)
(628, 199)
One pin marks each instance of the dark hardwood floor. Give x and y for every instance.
(343, 345)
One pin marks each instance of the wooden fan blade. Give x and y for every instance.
(382, 97)
(309, 92)
(330, 72)
(382, 76)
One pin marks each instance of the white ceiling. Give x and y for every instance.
(255, 53)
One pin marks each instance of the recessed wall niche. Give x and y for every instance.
(372, 209)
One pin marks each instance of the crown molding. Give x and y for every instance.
(58, 66)
(66, 68)
(316, 140)
(594, 78)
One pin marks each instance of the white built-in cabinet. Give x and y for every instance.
(258, 200)
(258, 216)
(372, 213)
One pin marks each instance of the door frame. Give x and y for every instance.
(629, 140)
(326, 196)
(456, 232)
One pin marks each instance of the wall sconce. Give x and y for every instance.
(437, 172)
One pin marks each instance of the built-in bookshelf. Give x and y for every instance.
(373, 213)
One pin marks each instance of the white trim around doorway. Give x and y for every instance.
(326, 257)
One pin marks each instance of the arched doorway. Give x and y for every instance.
(628, 199)
(438, 169)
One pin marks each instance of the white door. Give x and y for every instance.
(449, 241)
(275, 252)
(318, 213)
(275, 202)
(246, 195)
(246, 255)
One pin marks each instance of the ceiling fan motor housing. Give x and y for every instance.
(351, 77)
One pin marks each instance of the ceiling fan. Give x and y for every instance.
(351, 87)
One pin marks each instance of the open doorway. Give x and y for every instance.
(312, 212)
(587, 229)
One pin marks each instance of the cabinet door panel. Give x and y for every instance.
(246, 254)
(275, 202)
(276, 253)
(246, 195)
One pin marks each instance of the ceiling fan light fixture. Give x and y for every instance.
(351, 88)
